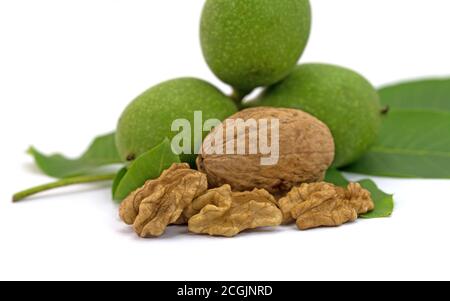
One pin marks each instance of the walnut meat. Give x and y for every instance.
(306, 150)
(325, 212)
(323, 204)
(313, 193)
(359, 198)
(225, 213)
(160, 202)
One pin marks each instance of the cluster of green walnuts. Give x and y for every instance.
(250, 44)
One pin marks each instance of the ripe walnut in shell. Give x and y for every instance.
(305, 150)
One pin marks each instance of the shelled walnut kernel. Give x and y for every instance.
(323, 204)
(160, 202)
(225, 213)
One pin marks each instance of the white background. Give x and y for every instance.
(67, 70)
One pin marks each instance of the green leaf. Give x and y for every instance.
(384, 203)
(100, 153)
(335, 177)
(148, 166)
(430, 94)
(413, 141)
(412, 144)
(119, 176)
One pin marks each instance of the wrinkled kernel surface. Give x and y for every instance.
(359, 198)
(225, 213)
(323, 204)
(160, 202)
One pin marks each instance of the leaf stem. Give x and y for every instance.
(61, 183)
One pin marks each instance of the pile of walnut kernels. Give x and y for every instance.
(181, 196)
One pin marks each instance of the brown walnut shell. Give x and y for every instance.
(306, 151)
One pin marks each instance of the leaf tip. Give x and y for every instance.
(30, 150)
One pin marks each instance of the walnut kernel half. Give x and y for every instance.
(160, 202)
(226, 213)
(323, 204)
